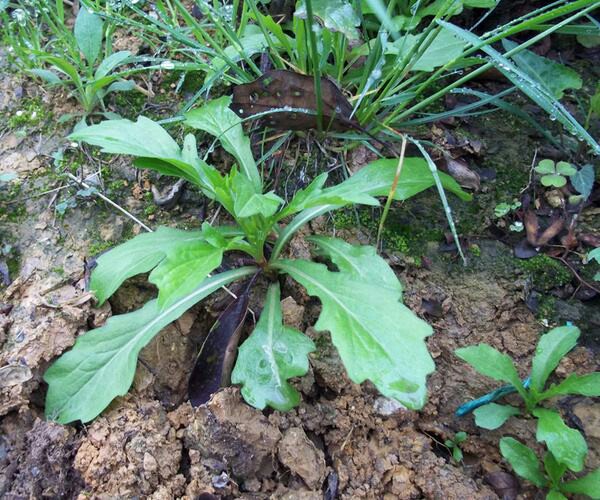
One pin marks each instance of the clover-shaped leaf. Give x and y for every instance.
(545, 167)
(554, 174)
(565, 168)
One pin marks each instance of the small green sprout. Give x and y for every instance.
(551, 348)
(526, 464)
(454, 445)
(554, 174)
(503, 209)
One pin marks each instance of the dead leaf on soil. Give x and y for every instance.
(505, 485)
(536, 238)
(279, 89)
(217, 355)
(461, 172)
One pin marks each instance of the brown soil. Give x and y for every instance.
(343, 441)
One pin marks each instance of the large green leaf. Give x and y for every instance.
(492, 415)
(523, 460)
(491, 363)
(375, 179)
(88, 32)
(555, 77)
(217, 119)
(183, 268)
(145, 139)
(247, 202)
(584, 385)
(378, 338)
(269, 357)
(335, 15)
(101, 365)
(587, 485)
(550, 350)
(181, 258)
(444, 48)
(111, 62)
(566, 444)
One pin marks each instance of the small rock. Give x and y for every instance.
(292, 313)
(113, 230)
(150, 464)
(387, 407)
(301, 456)
(588, 413)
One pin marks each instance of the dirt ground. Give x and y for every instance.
(343, 441)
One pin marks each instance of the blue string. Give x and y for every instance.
(490, 397)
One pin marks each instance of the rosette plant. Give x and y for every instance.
(378, 337)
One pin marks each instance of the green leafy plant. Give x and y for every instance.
(502, 209)
(80, 59)
(403, 58)
(525, 463)
(454, 445)
(554, 174)
(551, 348)
(378, 337)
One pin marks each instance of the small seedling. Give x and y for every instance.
(526, 464)
(551, 348)
(79, 59)
(454, 445)
(378, 337)
(554, 174)
(503, 209)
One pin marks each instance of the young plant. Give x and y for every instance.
(551, 348)
(378, 337)
(79, 59)
(454, 445)
(554, 174)
(525, 463)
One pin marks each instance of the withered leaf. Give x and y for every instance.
(461, 172)
(505, 485)
(215, 361)
(281, 89)
(532, 227)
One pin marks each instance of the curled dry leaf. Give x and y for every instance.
(277, 90)
(461, 172)
(504, 484)
(536, 238)
(217, 354)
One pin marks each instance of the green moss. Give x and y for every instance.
(396, 236)
(546, 307)
(545, 272)
(150, 209)
(31, 112)
(99, 247)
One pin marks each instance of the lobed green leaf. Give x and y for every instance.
(101, 365)
(523, 460)
(269, 357)
(378, 338)
(566, 444)
(217, 119)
